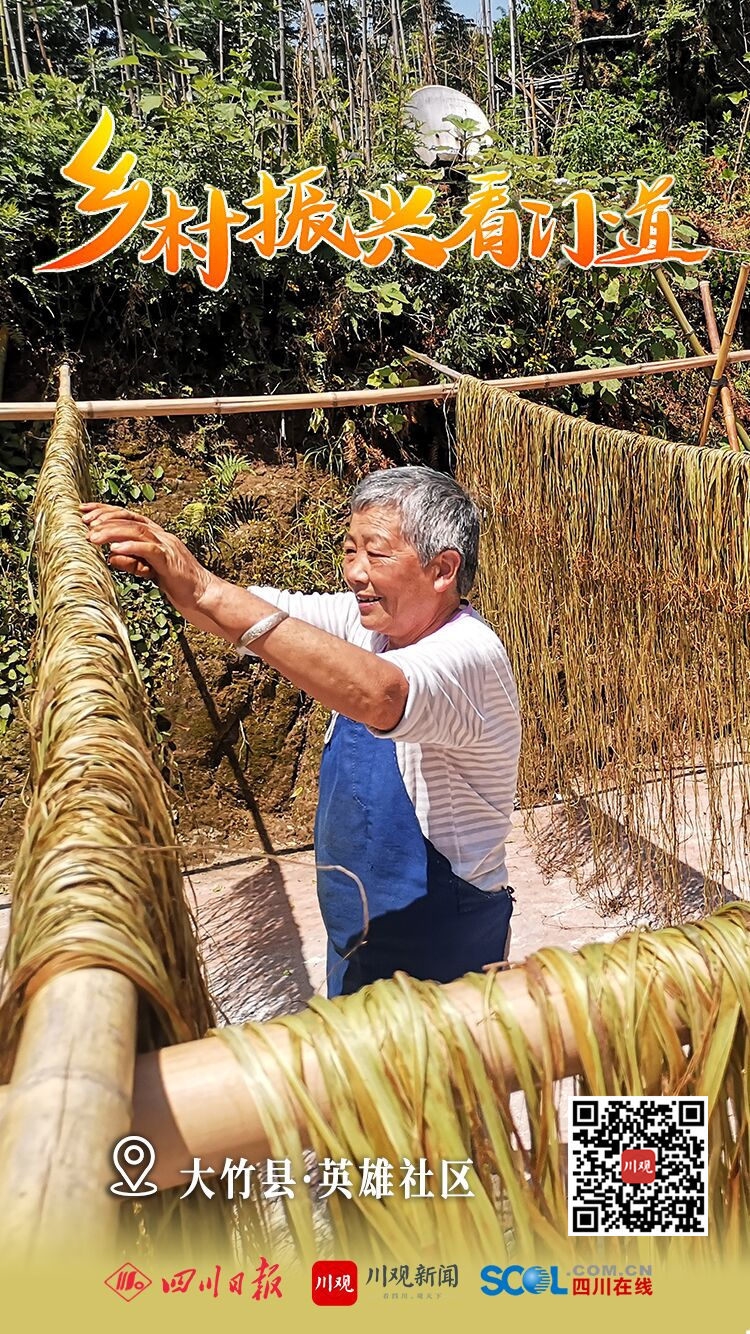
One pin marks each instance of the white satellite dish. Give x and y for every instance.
(439, 140)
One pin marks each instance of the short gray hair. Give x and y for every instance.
(435, 512)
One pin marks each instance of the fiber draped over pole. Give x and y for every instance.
(616, 569)
(93, 888)
(412, 1069)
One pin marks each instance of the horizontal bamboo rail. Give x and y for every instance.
(99, 409)
(192, 1101)
(205, 407)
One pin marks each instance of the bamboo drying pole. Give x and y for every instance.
(727, 406)
(694, 340)
(67, 1103)
(724, 354)
(433, 365)
(204, 407)
(678, 312)
(192, 1101)
(201, 407)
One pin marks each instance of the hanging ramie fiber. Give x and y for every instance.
(616, 569)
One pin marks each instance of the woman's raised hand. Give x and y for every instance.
(139, 546)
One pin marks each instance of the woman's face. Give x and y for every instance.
(397, 596)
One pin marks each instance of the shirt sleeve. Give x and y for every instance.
(333, 612)
(446, 688)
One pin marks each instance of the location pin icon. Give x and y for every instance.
(133, 1154)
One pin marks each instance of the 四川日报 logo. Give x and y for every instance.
(127, 1282)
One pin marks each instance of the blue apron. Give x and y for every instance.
(423, 919)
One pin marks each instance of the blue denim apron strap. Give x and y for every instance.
(420, 918)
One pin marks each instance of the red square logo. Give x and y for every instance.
(639, 1166)
(334, 1283)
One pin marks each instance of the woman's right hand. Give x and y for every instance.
(139, 546)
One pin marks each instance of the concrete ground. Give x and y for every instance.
(264, 942)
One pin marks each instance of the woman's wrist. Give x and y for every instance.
(232, 610)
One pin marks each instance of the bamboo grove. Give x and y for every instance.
(336, 59)
(348, 65)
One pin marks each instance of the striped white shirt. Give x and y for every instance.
(458, 741)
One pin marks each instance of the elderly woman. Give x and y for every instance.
(419, 764)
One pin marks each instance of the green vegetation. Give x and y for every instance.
(208, 93)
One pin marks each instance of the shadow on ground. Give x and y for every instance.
(633, 877)
(252, 949)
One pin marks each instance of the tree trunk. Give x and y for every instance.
(492, 83)
(40, 40)
(513, 77)
(135, 92)
(524, 90)
(429, 55)
(282, 70)
(364, 86)
(350, 82)
(395, 39)
(317, 54)
(91, 48)
(184, 78)
(486, 43)
(575, 17)
(118, 27)
(22, 42)
(298, 85)
(152, 28)
(221, 51)
(124, 77)
(6, 50)
(12, 43)
(307, 43)
(327, 35)
(173, 82)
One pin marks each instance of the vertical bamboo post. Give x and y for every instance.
(689, 332)
(726, 343)
(727, 406)
(69, 1100)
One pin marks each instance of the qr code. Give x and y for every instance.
(637, 1167)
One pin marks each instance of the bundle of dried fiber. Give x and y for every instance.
(408, 1069)
(97, 881)
(616, 568)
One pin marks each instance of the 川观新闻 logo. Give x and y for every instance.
(334, 1282)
